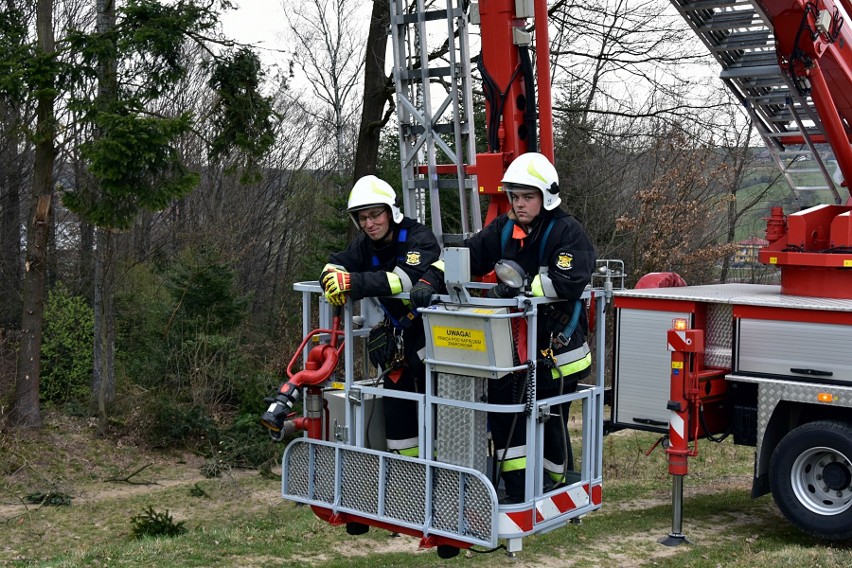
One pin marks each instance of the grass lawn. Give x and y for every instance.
(240, 520)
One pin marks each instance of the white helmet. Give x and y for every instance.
(534, 170)
(370, 191)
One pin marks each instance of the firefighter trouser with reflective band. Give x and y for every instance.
(512, 453)
(401, 418)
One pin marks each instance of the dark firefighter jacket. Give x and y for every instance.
(391, 267)
(565, 263)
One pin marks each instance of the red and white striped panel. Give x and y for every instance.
(677, 341)
(547, 508)
(516, 522)
(677, 429)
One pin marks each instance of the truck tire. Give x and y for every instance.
(810, 474)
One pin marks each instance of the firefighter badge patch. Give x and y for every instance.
(564, 260)
(412, 258)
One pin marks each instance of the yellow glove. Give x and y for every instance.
(329, 269)
(336, 284)
(335, 299)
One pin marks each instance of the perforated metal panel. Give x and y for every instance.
(462, 432)
(324, 474)
(296, 483)
(457, 510)
(359, 485)
(392, 488)
(406, 492)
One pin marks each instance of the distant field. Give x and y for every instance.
(779, 194)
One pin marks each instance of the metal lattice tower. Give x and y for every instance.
(435, 111)
(742, 40)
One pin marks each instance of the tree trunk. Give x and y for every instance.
(86, 268)
(25, 408)
(375, 91)
(25, 411)
(375, 94)
(103, 369)
(103, 373)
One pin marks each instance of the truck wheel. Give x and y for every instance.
(810, 474)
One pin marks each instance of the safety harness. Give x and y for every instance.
(569, 329)
(405, 321)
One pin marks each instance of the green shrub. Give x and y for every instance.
(67, 345)
(245, 443)
(142, 308)
(151, 523)
(166, 422)
(181, 328)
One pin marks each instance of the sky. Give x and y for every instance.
(256, 21)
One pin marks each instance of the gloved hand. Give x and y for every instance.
(336, 283)
(330, 269)
(421, 294)
(381, 347)
(502, 290)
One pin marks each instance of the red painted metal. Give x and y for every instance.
(660, 280)
(832, 122)
(813, 248)
(502, 62)
(684, 398)
(337, 519)
(320, 363)
(829, 67)
(792, 315)
(656, 304)
(542, 67)
(811, 251)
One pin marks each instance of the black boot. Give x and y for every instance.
(513, 481)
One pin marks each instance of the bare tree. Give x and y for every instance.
(673, 222)
(329, 52)
(625, 58)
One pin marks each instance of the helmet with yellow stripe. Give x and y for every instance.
(370, 191)
(533, 170)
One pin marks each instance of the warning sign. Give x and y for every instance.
(458, 338)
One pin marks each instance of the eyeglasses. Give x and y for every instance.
(374, 217)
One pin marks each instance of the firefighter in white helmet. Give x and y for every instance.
(553, 249)
(388, 257)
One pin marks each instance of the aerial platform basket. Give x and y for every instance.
(446, 496)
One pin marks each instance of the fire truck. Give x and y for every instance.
(764, 363)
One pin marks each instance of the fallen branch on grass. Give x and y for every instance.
(127, 478)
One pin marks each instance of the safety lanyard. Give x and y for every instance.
(504, 239)
(407, 318)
